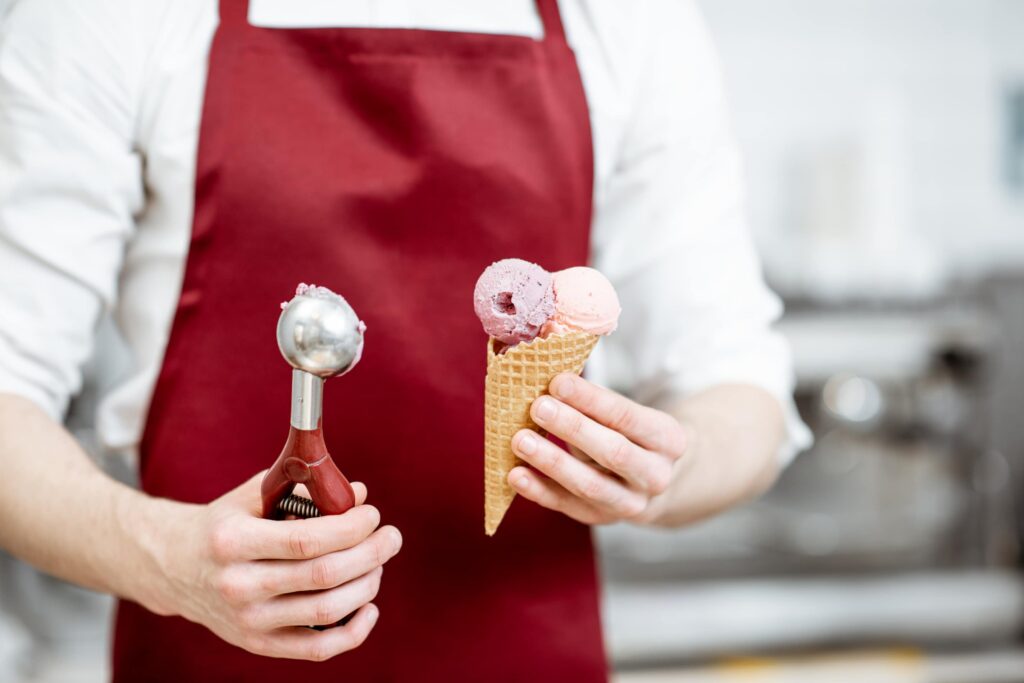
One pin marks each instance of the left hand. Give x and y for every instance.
(623, 453)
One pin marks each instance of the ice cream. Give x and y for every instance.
(585, 301)
(513, 299)
(540, 325)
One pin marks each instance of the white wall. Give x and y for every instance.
(804, 75)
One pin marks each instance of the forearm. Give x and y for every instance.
(65, 516)
(734, 433)
(247, 579)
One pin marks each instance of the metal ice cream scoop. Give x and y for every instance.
(320, 336)
(319, 333)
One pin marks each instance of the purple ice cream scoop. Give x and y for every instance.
(513, 299)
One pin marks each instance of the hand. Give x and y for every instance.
(623, 453)
(259, 583)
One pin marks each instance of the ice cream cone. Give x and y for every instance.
(515, 379)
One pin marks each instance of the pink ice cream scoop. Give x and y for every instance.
(513, 299)
(585, 301)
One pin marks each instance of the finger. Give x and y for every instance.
(583, 457)
(278, 577)
(549, 494)
(577, 477)
(322, 608)
(359, 489)
(251, 499)
(653, 429)
(247, 495)
(303, 539)
(318, 646)
(649, 472)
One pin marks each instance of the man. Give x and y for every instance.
(183, 164)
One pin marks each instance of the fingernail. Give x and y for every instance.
(563, 386)
(371, 614)
(545, 408)
(521, 482)
(526, 444)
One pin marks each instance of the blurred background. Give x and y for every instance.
(884, 143)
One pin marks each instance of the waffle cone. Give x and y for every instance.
(514, 380)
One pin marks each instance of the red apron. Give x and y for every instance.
(392, 166)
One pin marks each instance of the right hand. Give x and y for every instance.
(259, 584)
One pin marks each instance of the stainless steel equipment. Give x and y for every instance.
(898, 524)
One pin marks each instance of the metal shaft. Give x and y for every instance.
(307, 400)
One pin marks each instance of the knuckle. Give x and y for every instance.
(678, 439)
(223, 542)
(660, 479)
(254, 643)
(230, 587)
(321, 573)
(378, 577)
(553, 502)
(302, 543)
(592, 488)
(318, 652)
(547, 456)
(270, 584)
(247, 619)
(632, 506)
(670, 438)
(618, 453)
(379, 549)
(372, 518)
(574, 424)
(623, 418)
(372, 586)
(605, 518)
(323, 612)
(396, 540)
(386, 545)
(358, 635)
(348, 639)
(357, 639)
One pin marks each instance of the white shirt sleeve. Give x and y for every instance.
(670, 233)
(84, 85)
(70, 182)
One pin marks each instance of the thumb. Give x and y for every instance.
(358, 488)
(249, 498)
(246, 496)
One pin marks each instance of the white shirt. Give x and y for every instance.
(99, 117)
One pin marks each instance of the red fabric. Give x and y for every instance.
(391, 166)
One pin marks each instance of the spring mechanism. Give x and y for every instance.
(298, 506)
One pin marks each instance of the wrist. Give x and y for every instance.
(669, 508)
(156, 538)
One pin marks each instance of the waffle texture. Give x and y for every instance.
(515, 379)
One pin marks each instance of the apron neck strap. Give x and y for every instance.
(552, 20)
(234, 13)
